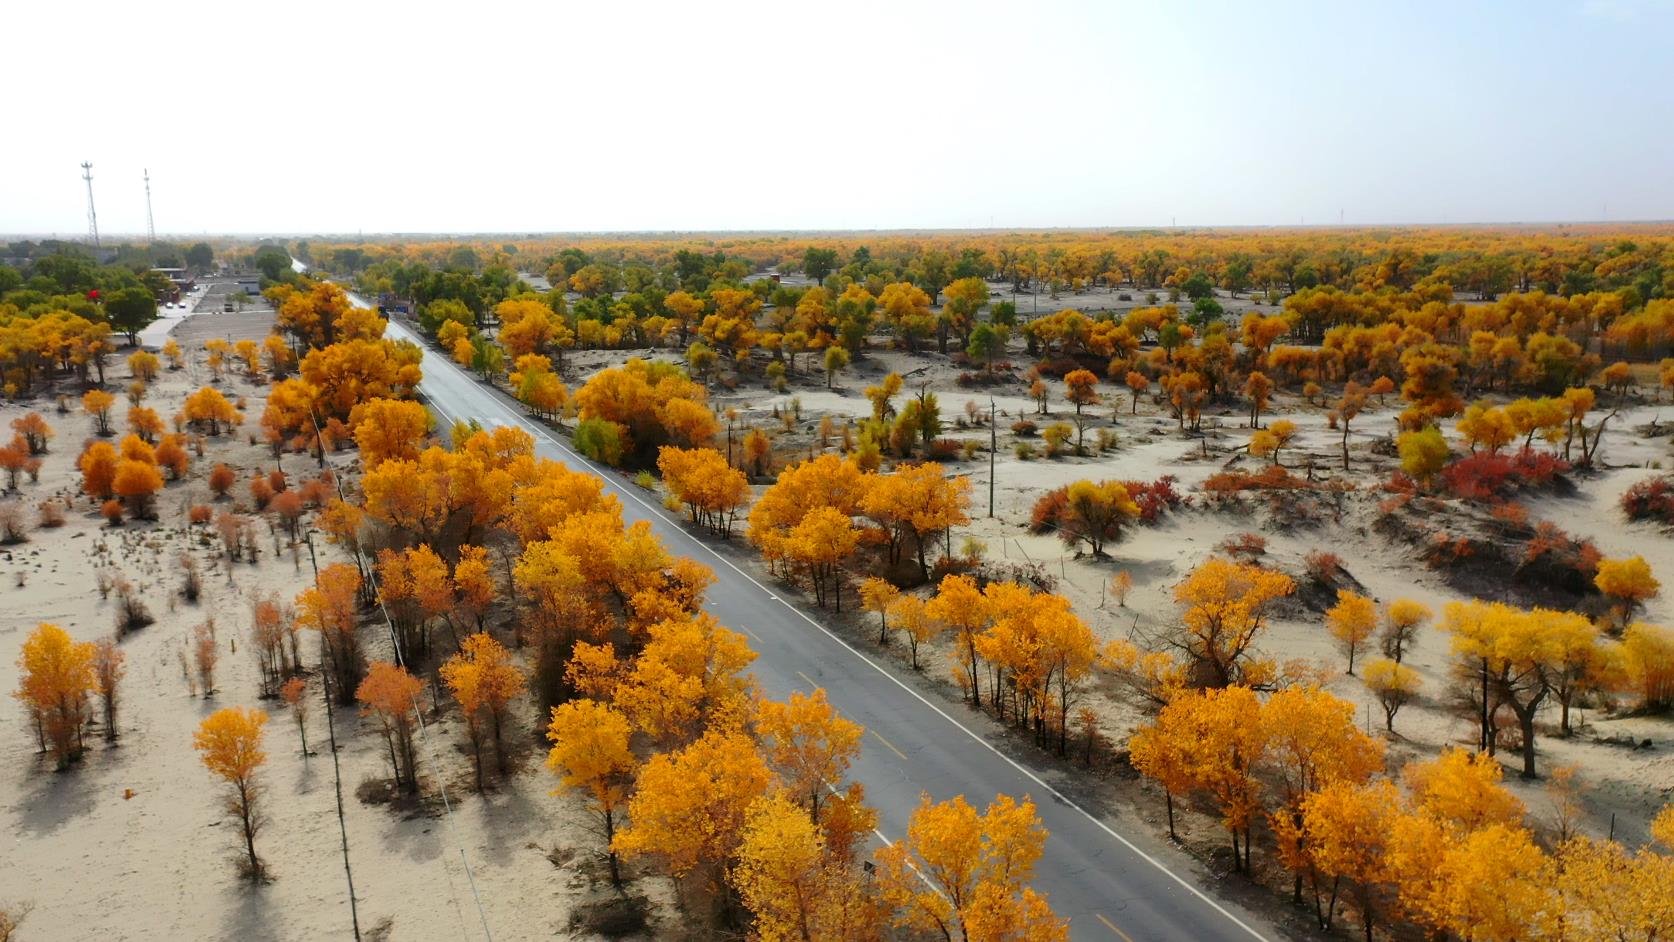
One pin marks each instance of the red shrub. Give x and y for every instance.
(1245, 544)
(1484, 477)
(946, 449)
(1323, 567)
(1156, 497)
(1561, 548)
(1652, 499)
(1049, 510)
(1227, 484)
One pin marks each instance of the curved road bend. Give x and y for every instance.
(1111, 889)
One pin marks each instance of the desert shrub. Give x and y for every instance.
(969, 448)
(1447, 550)
(112, 511)
(1228, 485)
(1512, 514)
(1023, 428)
(261, 492)
(1484, 477)
(191, 584)
(221, 479)
(316, 492)
(645, 480)
(1245, 544)
(13, 527)
(1651, 499)
(1024, 451)
(131, 611)
(1323, 568)
(50, 514)
(946, 449)
(276, 479)
(1105, 439)
(1049, 510)
(200, 513)
(1552, 546)
(288, 507)
(1155, 497)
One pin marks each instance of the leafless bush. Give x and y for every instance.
(13, 527)
(204, 655)
(50, 514)
(191, 586)
(131, 611)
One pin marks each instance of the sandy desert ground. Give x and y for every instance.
(133, 844)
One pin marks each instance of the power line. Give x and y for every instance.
(336, 768)
(418, 713)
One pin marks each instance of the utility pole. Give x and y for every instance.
(150, 227)
(92, 216)
(993, 447)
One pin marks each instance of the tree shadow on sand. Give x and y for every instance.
(251, 920)
(48, 800)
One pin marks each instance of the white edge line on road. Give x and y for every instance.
(523, 422)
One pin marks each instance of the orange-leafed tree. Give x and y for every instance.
(964, 875)
(590, 754)
(1462, 789)
(98, 466)
(688, 809)
(295, 695)
(208, 409)
(962, 607)
(1348, 827)
(97, 403)
(172, 457)
(484, 680)
(221, 479)
(795, 884)
(230, 742)
(473, 583)
(916, 504)
(1081, 389)
(331, 607)
(1225, 607)
(390, 694)
(808, 744)
(701, 479)
(108, 670)
(35, 431)
(1159, 754)
(56, 675)
(907, 613)
(876, 595)
(1628, 581)
(1351, 621)
(1312, 741)
(136, 482)
(1222, 733)
(820, 544)
(1393, 684)
(145, 422)
(389, 428)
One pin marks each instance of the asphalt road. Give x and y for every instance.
(1111, 888)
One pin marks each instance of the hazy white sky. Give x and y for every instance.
(571, 116)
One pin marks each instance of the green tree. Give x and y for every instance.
(130, 309)
(818, 263)
(200, 257)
